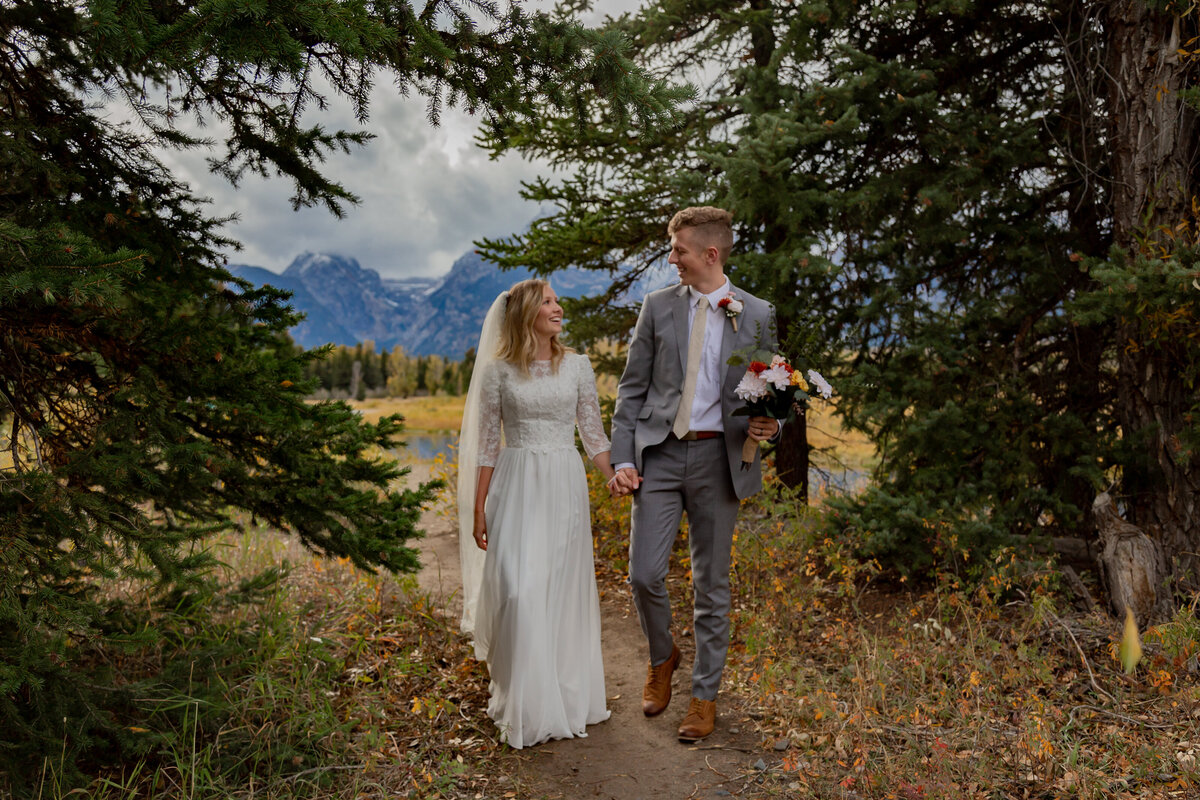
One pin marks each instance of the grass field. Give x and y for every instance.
(420, 413)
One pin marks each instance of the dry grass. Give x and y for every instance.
(338, 683)
(441, 413)
(988, 688)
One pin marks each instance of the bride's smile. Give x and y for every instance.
(549, 317)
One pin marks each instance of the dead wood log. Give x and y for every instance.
(1078, 587)
(1131, 563)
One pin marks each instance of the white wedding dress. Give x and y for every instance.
(537, 622)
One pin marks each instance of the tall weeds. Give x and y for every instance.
(318, 680)
(980, 682)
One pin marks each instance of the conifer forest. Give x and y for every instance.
(981, 218)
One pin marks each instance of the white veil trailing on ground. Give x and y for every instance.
(470, 556)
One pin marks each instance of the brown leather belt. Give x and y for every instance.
(691, 436)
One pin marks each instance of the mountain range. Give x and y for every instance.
(345, 303)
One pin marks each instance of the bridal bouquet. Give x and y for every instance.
(771, 388)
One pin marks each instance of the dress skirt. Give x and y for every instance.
(538, 620)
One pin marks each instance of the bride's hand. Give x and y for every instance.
(480, 532)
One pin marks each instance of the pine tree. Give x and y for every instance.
(147, 398)
(422, 372)
(934, 191)
(372, 366)
(466, 368)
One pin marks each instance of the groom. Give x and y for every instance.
(678, 449)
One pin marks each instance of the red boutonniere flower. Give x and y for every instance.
(732, 307)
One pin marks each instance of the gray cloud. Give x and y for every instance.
(425, 192)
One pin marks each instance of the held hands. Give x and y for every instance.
(763, 428)
(625, 482)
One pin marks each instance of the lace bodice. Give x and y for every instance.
(539, 411)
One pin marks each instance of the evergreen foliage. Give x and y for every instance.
(391, 373)
(928, 190)
(145, 404)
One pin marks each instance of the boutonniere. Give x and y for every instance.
(732, 307)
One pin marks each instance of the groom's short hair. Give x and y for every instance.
(714, 225)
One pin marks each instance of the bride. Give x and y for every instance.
(529, 588)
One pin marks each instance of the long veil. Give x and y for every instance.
(470, 556)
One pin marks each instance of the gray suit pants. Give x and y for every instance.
(693, 477)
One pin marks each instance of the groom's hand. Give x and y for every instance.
(763, 428)
(625, 482)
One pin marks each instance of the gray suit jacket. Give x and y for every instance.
(651, 387)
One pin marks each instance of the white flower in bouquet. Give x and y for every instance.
(779, 375)
(752, 387)
(822, 386)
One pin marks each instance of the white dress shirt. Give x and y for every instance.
(706, 404)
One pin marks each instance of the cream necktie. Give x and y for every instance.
(683, 417)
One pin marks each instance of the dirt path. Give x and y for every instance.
(629, 757)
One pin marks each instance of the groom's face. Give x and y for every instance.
(697, 261)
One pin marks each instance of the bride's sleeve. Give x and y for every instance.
(587, 411)
(489, 417)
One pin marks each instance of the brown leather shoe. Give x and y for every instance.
(700, 720)
(657, 693)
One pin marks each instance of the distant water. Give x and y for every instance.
(848, 481)
(427, 445)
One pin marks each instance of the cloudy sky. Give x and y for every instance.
(425, 193)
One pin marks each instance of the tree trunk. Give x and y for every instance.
(1154, 150)
(791, 456)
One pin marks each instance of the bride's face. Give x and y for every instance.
(548, 321)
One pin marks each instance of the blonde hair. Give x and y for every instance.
(518, 345)
(714, 225)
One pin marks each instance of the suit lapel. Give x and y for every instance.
(728, 337)
(679, 310)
